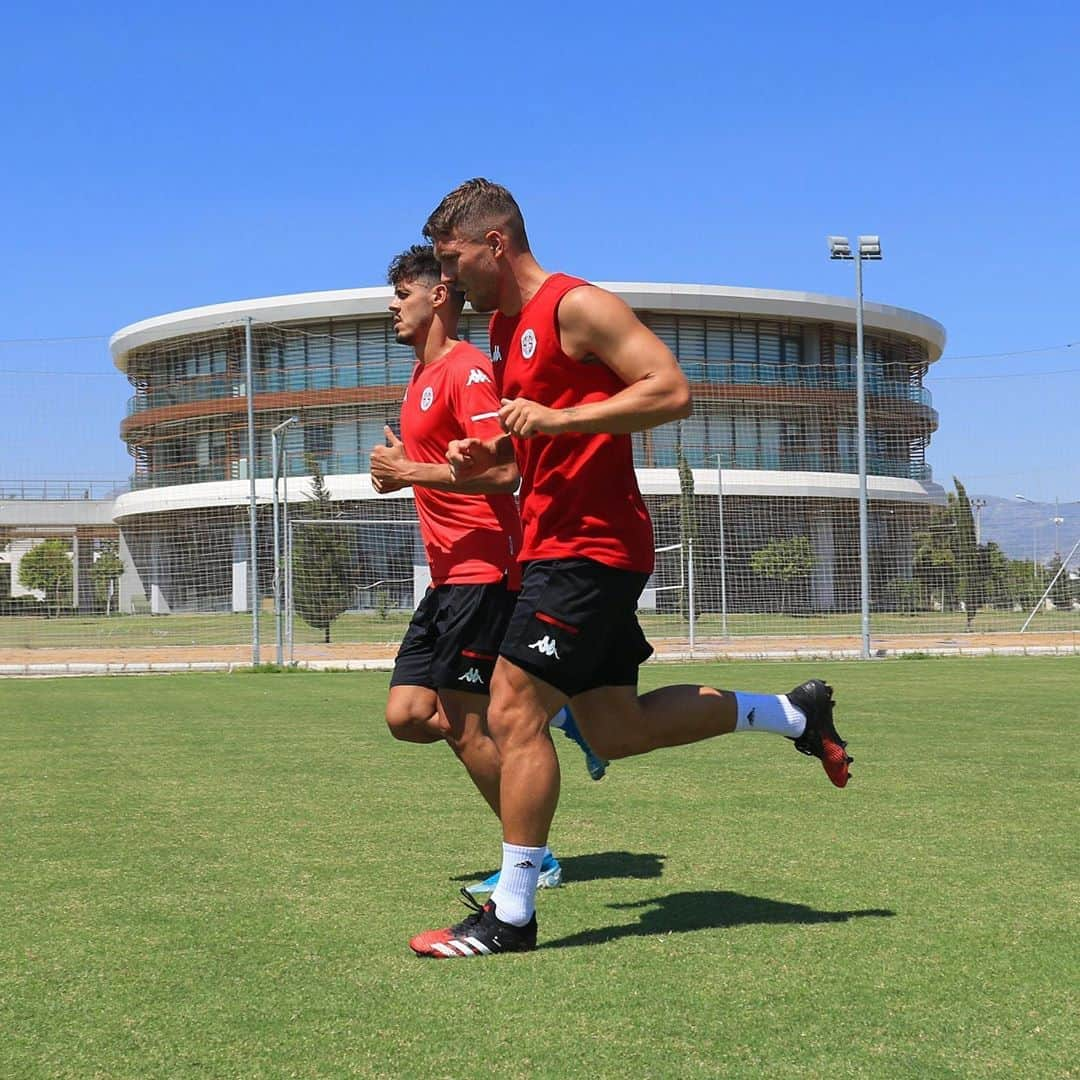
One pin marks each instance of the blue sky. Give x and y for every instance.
(158, 160)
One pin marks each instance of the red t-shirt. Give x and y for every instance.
(579, 493)
(469, 539)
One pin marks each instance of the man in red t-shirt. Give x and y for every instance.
(470, 528)
(578, 373)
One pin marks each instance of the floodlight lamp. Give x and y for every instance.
(839, 247)
(870, 247)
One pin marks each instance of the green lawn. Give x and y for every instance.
(132, 631)
(216, 876)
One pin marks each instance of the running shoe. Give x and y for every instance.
(565, 722)
(550, 878)
(814, 699)
(480, 934)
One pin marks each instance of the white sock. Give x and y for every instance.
(769, 712)
(515, 895)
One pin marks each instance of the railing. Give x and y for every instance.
(222, 387)
(347, 464)
(42, 490)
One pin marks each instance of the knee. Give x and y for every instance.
(407, 725)
(512, 723)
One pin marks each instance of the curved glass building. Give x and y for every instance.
(770, 449)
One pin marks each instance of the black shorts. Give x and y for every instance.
(453, 638)
(575, 625)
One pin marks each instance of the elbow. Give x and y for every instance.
(682, 405)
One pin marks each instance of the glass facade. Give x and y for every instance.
(768, 395)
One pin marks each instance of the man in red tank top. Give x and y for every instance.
(578, 373)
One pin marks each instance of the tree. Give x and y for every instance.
(1062, 593)
(105, 574)
(786, 560)
(934, 564)
(324, 578)
(46, 568)
(688, 525)
(970, 576)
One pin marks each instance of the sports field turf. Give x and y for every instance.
(216, 876)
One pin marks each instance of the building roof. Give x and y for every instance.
(651, 296)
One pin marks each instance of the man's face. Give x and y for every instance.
(470, 267)
(413, 308)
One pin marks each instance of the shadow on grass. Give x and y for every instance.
(602, 864)
(682, 912)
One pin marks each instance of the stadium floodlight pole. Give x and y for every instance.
(253, 514)
(275, 470)
(868, 247)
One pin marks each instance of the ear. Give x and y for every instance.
(439, 294)
(495, 241)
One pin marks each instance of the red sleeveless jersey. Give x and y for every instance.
(579, 493)
(469, 539)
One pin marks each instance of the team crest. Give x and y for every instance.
(426, 398)
(528, 344)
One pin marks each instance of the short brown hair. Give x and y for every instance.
(474, 207)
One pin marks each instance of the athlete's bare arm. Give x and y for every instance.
(596, 326)
(476, 457)
(391, 470)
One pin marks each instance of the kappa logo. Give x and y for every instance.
(496, 355)
(528, 344)
(472, 676)
(546, 645)
(476, 376)
(426, 398)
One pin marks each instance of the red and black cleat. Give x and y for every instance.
(814, 700)
(480, 934)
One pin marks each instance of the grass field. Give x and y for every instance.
(216, 876)
(130, 631)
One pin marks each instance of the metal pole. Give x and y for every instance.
(288, 584)
(860, 394)
(723, 553)
(690, 588)
(253, 553)
(1049, 588)
(277, 545)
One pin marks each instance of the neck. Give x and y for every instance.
(439, 340)
(523, 282)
